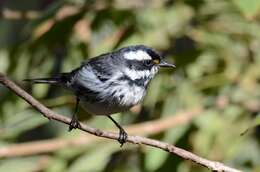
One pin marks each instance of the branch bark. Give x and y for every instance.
(51, 145)
(212, 165)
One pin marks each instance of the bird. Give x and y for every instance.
(111, 82)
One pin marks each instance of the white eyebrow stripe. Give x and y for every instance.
(137, 55)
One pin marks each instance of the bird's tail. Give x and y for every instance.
(57, 80)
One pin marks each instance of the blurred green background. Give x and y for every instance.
(215, 45)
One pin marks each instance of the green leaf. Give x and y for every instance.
(256, 122)
(4, 61)
(249, 8)
(22, 122)
(19, 164)
(57, 165)
(155, 158)
(95, 159)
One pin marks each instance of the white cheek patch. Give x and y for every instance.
(137, 55)
(135, 74)
(154, 70)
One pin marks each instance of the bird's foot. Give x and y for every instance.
(74, 123)
(122, 137)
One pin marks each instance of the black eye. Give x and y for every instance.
(148, 62)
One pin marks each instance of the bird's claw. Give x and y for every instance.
(122, 137)
(74, 123)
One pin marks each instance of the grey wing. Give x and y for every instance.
(90, 79)
(102, 68)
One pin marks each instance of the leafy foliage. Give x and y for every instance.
(216, 48)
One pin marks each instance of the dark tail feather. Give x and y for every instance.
(54, 80)
(42, 80)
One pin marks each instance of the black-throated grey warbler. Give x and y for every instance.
(110, 83)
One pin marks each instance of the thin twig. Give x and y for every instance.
(50, 145)
(213, 165)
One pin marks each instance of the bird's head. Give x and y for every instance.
(142, 62)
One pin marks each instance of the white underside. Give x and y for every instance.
(131, 96)
(102, 108)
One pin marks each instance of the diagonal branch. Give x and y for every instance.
(51, 145)
(213, 165)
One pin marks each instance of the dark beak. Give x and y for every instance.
(166, 64)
